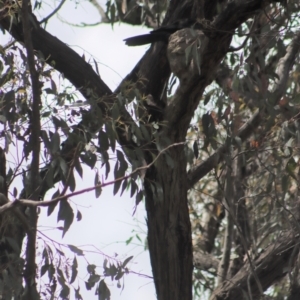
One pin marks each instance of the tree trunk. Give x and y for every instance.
(11, 233)
(169, 228)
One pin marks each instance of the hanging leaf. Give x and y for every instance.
(76, 250)
(139, 197)
(72, 182)
(97, 183)
(103, 141)
(78, 167)
(133, 189)
(65, 214)
(89, 158)
(117, 185)
(103, 291)
(78, 216)
(124, 186)
(111, 135)
(119, 275)
(55, 142)
(74, 270)
(52, 206)
(53, 86)
(15, 192)
(126, 261)
(64, 293)
(77, 294)
(44, 269)
(50, 174)
(91, 269)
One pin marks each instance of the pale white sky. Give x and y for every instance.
(107, 221)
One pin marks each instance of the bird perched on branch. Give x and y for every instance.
(162, 34)
(185, 50)
(186, 40)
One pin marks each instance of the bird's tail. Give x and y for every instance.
(147, 39)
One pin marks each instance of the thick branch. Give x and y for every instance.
(30, 267)
(60, 56)
(72, 66)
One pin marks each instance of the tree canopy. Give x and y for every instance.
(204, 132)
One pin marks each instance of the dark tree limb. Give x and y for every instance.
(61, 57)
(30, 267)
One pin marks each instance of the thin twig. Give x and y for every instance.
(53, 12)
(27, 202)
(231, 49)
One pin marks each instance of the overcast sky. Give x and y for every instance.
(107, 221)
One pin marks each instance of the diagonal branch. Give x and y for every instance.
(59, 56)
(46, 19)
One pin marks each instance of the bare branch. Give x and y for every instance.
(53, 12)
(25, 202)
(100, 10)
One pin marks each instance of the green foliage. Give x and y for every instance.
(64, 151)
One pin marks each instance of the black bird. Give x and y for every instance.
(161, 34)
